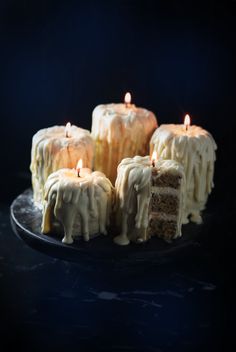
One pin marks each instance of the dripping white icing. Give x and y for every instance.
(195, 150)
(53, 150)
(120, 132)
(133, 194)
(165, 190)
(82, 205)
(133, 191)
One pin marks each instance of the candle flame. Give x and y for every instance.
(154, 158)
(68, 129)
(187, 121)
(127, 98)
(79, 165)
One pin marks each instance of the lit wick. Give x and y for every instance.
(154, 158)
(187, 122)
(68, 130)
(127, 100)
(79, 166)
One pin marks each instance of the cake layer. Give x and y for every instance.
(163, 228)
(167, 180)
(165, 190)
(195, 150)
(163, 216)
(164, 202)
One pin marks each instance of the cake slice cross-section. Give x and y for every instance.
(149, 199)
(167, 199)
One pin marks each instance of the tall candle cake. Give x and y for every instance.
(119, 131)
(77, 205)
(194, 148)
(149, 199)
(57, 147)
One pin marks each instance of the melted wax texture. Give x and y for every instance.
(120, 132)
(133, 193)
(195, 150)
(52, 150)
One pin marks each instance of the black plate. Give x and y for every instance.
(26, 222)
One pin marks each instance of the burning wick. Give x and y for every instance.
(187, 122)
(79, 166)
(154, 158)
(127, 99)
(67, 129)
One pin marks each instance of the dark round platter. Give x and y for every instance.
(26, 223)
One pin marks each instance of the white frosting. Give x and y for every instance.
(52, 150)
(169, 166)
(195, 150)
(165, 190)
(120, 131)
(82, 205)
(133, 194)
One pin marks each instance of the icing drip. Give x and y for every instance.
(133, 191)
(52, 150)
(82, 205)
(172, 166)
(133, 195)
(195, 150)
(120, 132)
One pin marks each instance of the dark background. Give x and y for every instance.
(59, 59)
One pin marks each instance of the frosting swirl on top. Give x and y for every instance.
(133, 192)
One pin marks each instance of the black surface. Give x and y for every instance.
(26, 221)
(177, 303)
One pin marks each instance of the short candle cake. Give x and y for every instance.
(149, 199)
(167, 199)
(77, 203)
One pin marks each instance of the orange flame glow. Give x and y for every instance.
(127, 98)
(68, 129)
(79, 165)
(187, 121)
(154, 158)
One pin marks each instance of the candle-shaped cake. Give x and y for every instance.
(77, 203)
(194, 148)
(120, 131)
(149, 199)
(58, 147)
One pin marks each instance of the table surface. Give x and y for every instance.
(184, 304)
